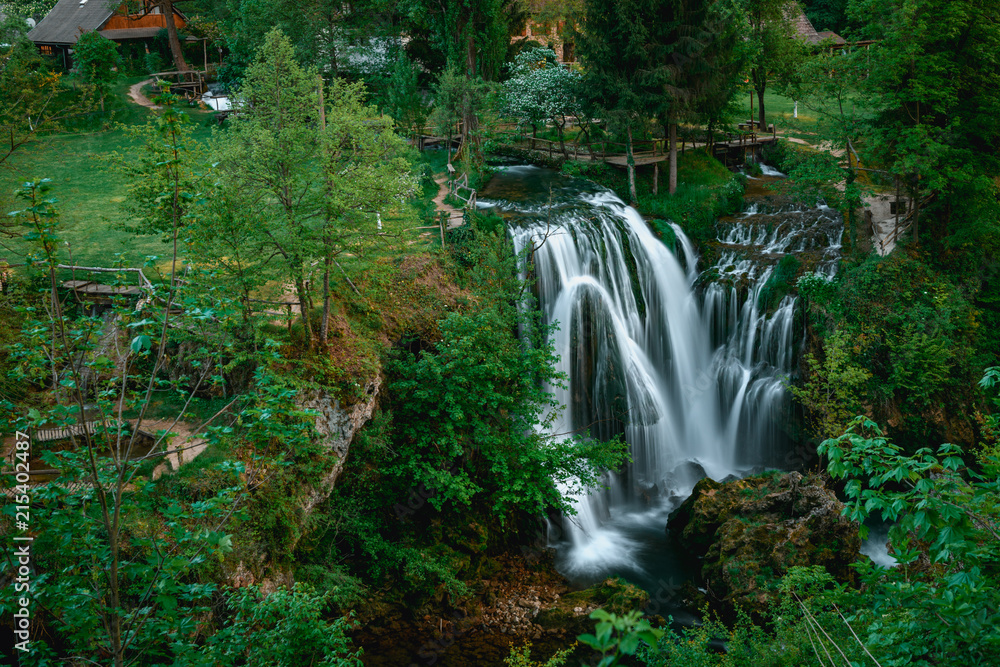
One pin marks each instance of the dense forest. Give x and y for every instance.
(377, 336)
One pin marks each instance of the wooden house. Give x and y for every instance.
(58, 31)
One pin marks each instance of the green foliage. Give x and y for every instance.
(154, 62)
(540, 90)
(404, 100)
(98, 59)
(473, 36)
(781, 282)
(313, 191)
(934, 126)
(941, 605)
(27, 8)
(746, 644)
(461, 98)
(284, 628)
(617, 636)
(834, 388)
(170, 158)
(912, 329)
(828, 15)
(521, 657)
(468, 418)
(774, 52)
(990, 450)
(33, 99)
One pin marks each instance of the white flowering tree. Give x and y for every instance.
(541, 90)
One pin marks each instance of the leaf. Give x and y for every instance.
(140, 343)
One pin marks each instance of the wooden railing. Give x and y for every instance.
(461, 184)
(904, 225)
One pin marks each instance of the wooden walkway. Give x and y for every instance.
(731, 152)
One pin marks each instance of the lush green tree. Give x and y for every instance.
(461, 100)
(319, 167)
(540, 90)
(404, 99)
(474, 36)
(722, 68)
(470, 413)
(932, 89)
(98, 59)
(828, 14)
(701, 49)
(171, 161)
(35, 9)
(467, 415)
(32, 99)
(622, 80)
(365, 173)
(832, 394)
(775, 51)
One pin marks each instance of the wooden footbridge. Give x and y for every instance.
(733, 151)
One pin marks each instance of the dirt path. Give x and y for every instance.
(135, 92)
(455, 216)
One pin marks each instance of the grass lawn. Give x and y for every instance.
(89, 195)
(780, 110)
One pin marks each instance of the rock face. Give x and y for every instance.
(749, 532)
(336, 426)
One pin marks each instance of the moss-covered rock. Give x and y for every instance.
(749, 532)
(571, 612)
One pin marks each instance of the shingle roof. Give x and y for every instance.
(801, 25)
(829, 34)
(62, 25)
(130, 33)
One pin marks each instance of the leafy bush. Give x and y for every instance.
(914, 331)
(284, 628)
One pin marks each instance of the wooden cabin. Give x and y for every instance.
(57, 33)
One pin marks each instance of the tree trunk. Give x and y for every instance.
(630, 162)
(656, 178)
(562, 141)
(851, 231)
(324, 329)
(167, 7)
(760, 110)
(673, 158)
(300, 289)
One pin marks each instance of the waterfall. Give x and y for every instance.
(688, 367)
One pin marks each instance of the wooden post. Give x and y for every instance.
(656, 177)
(289, 318)
(441, 223)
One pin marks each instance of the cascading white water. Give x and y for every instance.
(695, 388)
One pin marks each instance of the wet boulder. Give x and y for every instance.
(747, 533)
